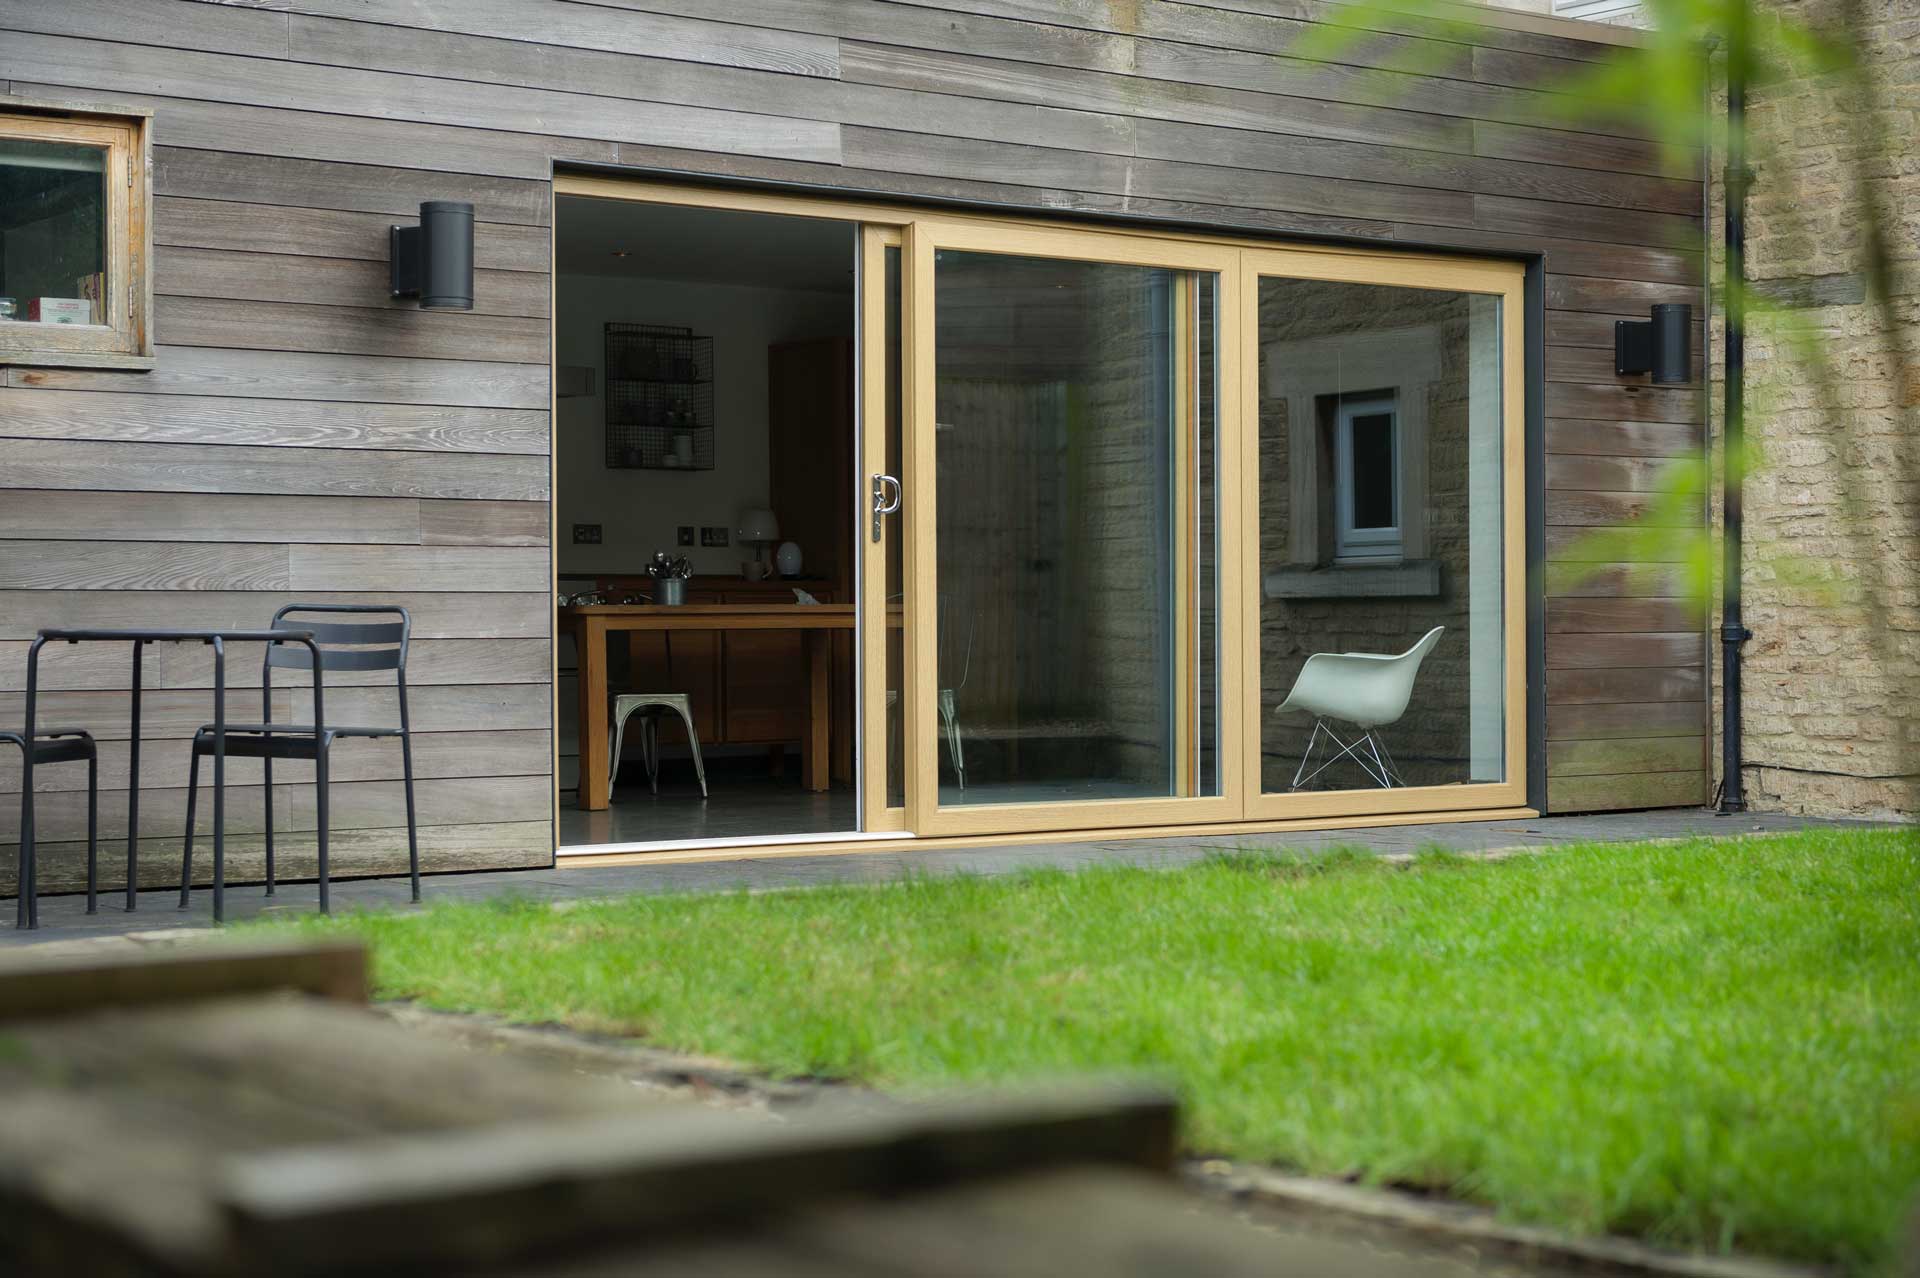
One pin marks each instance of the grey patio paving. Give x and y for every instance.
(64, 917)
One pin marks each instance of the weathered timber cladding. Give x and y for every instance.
(303, 437)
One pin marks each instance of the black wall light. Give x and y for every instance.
(1662, 345)
(434, 260)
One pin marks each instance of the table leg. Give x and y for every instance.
(133, 784)
(814, 767)
(590, 656)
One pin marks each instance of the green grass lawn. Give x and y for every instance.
(1708, 1044)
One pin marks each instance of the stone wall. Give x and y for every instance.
(1832, 574)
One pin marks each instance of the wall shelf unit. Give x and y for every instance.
(659, 400)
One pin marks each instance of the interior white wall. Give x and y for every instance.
(640, 510)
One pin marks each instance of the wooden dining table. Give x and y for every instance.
(590, 624)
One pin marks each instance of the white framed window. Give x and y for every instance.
(75, 243)
(1367, 470)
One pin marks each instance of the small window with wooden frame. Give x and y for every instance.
(75, 241)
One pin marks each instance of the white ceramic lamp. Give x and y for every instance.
(758, 526)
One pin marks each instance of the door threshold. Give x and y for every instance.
(730, 844)
(749, 848)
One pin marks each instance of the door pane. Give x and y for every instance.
(1076, 538)
(1380, 453)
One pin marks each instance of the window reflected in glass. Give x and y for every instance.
(53, 232)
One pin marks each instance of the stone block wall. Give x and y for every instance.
(1832, 507)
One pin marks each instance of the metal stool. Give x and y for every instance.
(54, 745)
(650, 706)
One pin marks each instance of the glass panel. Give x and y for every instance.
(53, 241)
(896, 598)
(1076, 540)
(1381, 613)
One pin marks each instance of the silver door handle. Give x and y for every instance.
(883, 505)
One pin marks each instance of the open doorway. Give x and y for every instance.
(704, 494)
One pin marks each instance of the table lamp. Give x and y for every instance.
(757, 525)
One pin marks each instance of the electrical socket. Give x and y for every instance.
(684, 536)
(713, 535)
(586, 534)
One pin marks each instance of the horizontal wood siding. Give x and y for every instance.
(304, 436)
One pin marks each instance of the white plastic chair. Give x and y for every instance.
(1368, 690)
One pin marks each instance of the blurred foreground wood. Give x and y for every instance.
(152, 1124)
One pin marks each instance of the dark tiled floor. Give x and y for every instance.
(64, 918)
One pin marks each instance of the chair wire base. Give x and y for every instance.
(1367, 750)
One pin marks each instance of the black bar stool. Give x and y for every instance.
(54, 745)
(342, 646)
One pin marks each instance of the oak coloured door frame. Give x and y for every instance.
(1240, 261)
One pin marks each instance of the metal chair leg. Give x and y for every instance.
(93, 833)
(186, 854)
(619, 743)
(650, 748)
(950, 723)
(693, 742)
(26, 913)
(413, 828)
(268, 782)
(320, 792)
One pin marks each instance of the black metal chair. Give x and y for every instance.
(342, 645)
(54, 745)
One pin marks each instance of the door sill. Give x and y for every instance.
(581, 857)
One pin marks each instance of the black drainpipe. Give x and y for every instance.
(1732, 633)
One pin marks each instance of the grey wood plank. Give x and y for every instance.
(1576, 257)
(262, 227)
(677, 36)
(420, 568)
(203, 468)
(450, 151)
(137, 416)
(1623, 403)
(237, 175)
(1566, 508)
(1045, 166)
(1618, 296)
(1583, 148)
(652, 79)
(164, 763)
(1595, 364)
(1606, 616)
(1653, 683)
(103, 667)
(1595, 473)
(1167, 140)
(485, 523)
(327, 281)
(114, 565)
(1579, 547)
(1599, 722)
(1633, 790)
(42, 515)
(943, 70)
(1464, 23)
(352, 805)
(180, 25)
(214, 375)
(1615, 649)
(303, 86)
(347, 330)
(436, 615)
(1574, 580)
(1623, 439)
(1579, 222)
(351, 854)
(181, 712)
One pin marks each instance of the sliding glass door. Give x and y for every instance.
(1383, 574)
(1069, 529)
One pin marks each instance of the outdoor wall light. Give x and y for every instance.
(434, 260)
(1662, 345)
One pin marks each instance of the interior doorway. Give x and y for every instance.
(705, 477)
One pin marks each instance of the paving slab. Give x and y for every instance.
(65, 917)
